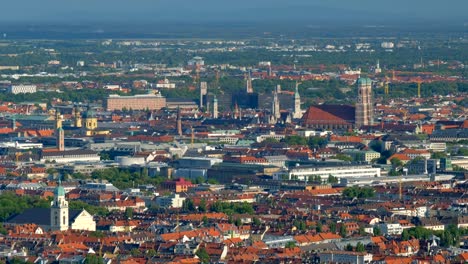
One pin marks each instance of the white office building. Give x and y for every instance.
(391, 228)
(171, 201)
(19, 89)
(306, 172)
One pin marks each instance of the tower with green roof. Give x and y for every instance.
(59, 210)
(90, 120)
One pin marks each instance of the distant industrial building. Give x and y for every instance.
(136, 102)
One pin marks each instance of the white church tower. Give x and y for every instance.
(59, 210)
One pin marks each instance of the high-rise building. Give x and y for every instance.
(245, 100)
(59, 219)
(297, 103)
(203, 92)
(249, 87)
(364, 105)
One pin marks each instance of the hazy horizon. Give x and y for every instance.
(147, 11)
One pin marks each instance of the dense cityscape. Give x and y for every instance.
(266, 149)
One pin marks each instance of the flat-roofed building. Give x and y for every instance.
(70, 156)
(136, 102)
(345, 257)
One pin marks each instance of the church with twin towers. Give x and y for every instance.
(344, 117)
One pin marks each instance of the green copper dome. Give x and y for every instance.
(59, 190)
(364, 81)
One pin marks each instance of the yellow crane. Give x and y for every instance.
(18, 155)
(419, 88)
(386, 86)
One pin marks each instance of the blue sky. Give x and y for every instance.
(232, 10)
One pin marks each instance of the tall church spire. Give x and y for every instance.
(297, 103)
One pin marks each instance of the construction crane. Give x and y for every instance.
(18, 155)
(386, 88)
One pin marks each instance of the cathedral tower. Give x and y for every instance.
(276, 106)
(364, 105)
